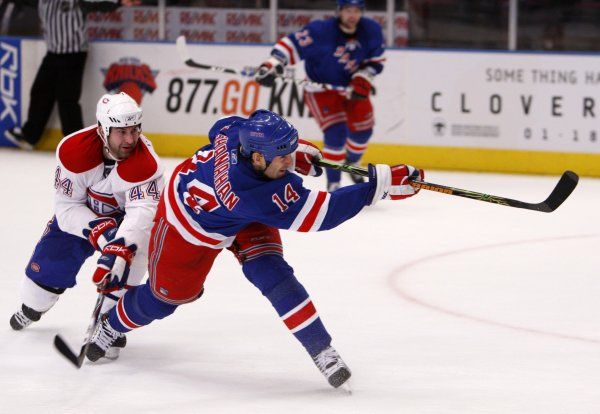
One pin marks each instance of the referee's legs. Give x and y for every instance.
(41, 100)
(68, 91)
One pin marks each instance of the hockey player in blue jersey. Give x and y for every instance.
(236, 193)
(347, 51)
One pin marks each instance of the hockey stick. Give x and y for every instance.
(184, 54)
(62, 347)
(562, 190)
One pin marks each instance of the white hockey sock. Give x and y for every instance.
(35, 297)
(108, 303)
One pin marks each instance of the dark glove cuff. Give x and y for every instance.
(372, 184)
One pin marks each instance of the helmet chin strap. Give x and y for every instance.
(109, 154)
(105, 148)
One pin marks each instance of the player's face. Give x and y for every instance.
(278, 167)
(122, 141)
(349, 17)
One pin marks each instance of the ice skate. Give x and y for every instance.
(332, 366)
(356, 178)
(103, 339)
(114, 351)
(332, 187)
(24, 317)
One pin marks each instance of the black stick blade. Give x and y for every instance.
(567, 183)
(64, 349)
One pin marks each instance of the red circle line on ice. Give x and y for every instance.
(395, 276)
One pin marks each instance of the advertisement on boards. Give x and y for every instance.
(210, 25)
(10, 86)
(536, 102)
(493, 101)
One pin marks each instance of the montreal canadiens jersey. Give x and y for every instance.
(88, 187)
(216, 193)
(330, 55)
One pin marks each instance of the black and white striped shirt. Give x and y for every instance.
(63, 22)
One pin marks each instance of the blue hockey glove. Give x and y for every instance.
(101, 231)
(113, 266)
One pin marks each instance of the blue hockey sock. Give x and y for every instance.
(333, 176)
(138, 307)
(356, 145)
(276, 281)
(335, 139)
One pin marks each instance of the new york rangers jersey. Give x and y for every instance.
(330, 55)
(216, 193)
(88, 186)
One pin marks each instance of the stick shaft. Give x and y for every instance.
(189, 61)
(63, 348)
(559, 194)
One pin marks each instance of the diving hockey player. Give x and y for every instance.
(236, 193)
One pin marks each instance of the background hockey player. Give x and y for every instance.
(346, 51)
(108, 181)
(236, 193)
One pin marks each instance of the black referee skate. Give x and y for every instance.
(332, 366)
(15, 135)
(105, 341)
(24, 317)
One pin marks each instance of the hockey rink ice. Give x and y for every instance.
(438, 304)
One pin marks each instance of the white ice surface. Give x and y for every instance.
(438, 304)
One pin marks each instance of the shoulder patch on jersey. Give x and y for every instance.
(81, 151)
(140, 166)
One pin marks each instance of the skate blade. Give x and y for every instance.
(346, 388)
(112, 353)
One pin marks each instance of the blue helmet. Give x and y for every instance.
(269, 134)
(357, 3)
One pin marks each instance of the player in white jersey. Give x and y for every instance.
(108, 183)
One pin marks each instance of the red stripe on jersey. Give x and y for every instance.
(310, 218)
(180, 215)
(290, 52)
(303, 314)
(123, 316)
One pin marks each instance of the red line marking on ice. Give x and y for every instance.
(395, 277)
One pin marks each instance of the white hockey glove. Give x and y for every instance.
(393, 182)
(304, 158)
(268, 71)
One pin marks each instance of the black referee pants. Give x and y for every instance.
(59, 80)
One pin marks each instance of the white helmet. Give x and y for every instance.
(119, 110)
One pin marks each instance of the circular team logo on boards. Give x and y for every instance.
(131, 76)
